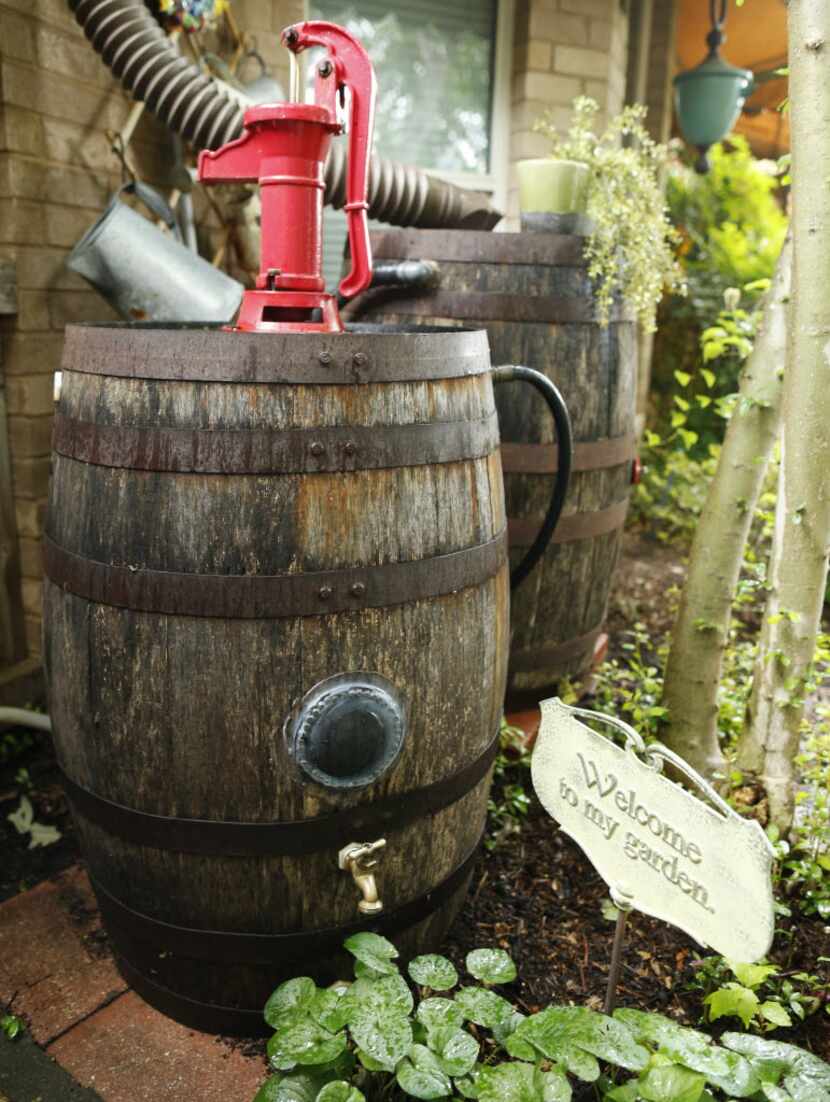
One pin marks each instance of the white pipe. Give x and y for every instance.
(22, 717)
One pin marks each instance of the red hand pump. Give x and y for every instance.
(284, 148)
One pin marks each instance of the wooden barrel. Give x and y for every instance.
(532, 292)
(276, 616)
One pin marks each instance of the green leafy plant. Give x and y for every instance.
(762, 996)
(374, 1039)
(509, 801)
(10, 1026)
(631, 248)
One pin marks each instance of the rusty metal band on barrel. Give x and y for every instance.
(572, 526)
(223, 838)
(589, 455)
(479, 247)
(266, 451)
(293, 950)
(272, 596)
(264, 949)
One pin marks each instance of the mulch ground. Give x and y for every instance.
(535, 895)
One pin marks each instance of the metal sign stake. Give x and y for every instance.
(622, 901)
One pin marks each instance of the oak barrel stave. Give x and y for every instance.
(182, 715)
(533, 294)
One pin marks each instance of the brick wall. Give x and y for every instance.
(563, 49)
(57, 100)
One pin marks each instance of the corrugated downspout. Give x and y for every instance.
(187, 101)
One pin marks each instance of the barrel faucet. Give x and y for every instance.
(358, 859)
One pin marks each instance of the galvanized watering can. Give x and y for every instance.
(148, 275)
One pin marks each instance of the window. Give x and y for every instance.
(443, 72)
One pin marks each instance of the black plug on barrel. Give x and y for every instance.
(564, 443)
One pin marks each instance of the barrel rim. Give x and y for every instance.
(202, 352)
(559, 249)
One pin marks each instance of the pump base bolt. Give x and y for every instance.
(359, 359)
(324, 592)
(358, 589)
(316, 448)
(324, 358)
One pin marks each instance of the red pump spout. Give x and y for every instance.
(283, 148)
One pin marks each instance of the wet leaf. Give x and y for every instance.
(327, 1009)
(340, 1091)
(298, 1087)
(483, 1007)
(304, 1042)
(298, 993)
(510, 1083)
(373, 951)
(390, 995)
(671, 1083)
(437, 1012)
(386, 1036)
(421, 1075)
(574, 1036)
(456, 1049)
(733, 1000)
(433, 971)
(805, 1076)
(491, 966)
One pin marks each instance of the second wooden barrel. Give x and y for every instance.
(276, 624)
(533, 294)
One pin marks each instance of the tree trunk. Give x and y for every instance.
(700, 634)
(802, 526)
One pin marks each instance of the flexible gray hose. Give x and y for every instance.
(148, 65)
(22, 717)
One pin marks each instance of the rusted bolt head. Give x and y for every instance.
(359, 359)
(325, 68)
(324, 358)
(324, 592)
(349, 448)
(316, 448)
(358, 589)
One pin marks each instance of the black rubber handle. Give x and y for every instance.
(564, 444)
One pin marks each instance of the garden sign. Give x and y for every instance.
(689, 861)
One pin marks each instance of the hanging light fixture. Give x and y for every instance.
(709, 98)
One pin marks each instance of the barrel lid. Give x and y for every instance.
(555, 249)
(208, 353)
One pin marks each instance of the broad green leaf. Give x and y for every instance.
(326, 1008)
(467, 1087)
(626, 1092)
(297, 1087)
(436, 1012)
(733, 1000)
(556, 1087)
(456, 1049)
(775, 1094)
(502, 1030)
(366, 972)
(304, 1042)
(726, 1070)
(708, 376)
(682, 378)
(368, 1062)
(292, 995)
(510, 1083)
(373, 950)
(433, 971)
(751, 975)
(340, 1091)
(574, 1036)
(775, 1013)
(491, 966)
(388, 995)
(483, 1007)
(805, 1076)
(421, 1075)
(671, 1083)
(384, 1035)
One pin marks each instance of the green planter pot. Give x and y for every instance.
(553, 195)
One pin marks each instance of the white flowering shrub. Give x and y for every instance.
(631, 248)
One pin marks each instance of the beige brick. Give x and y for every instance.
(547, 88)
(60, 96)
(29, 395)
(599, 34)
(47, 11)
(32, 311)
(66, 307)
(30, 517)
(599, 9)
(66, 225)
(77, 145)
(32, 353)
(528, 144)
(598, 90)
(17, 36)
(70, 57)
(30, 477)
(45, 268)
(32, 590)
(20, 130)
(21, 222)
(31, 558)
(580, 62)
(30, 178)
(30, 436)
(557, 26)
(524, 114)
(539, 55)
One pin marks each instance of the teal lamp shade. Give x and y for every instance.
(708, 100)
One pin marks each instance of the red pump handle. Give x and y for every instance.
(351, 69)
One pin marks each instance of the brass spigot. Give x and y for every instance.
(358, 859)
